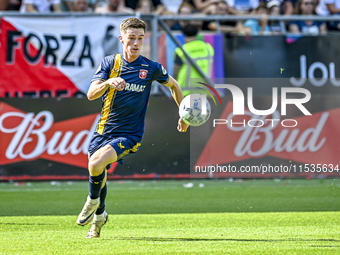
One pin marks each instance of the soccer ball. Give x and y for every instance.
(190, 110)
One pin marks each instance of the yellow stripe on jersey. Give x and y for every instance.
(134, 149)
(117, 69)
(110, 96)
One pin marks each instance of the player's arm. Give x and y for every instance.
(177, 94)
(175, 89)
(98, 87)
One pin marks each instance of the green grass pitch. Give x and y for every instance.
(163, 217)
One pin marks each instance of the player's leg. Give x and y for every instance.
(102, 197)
(101, 216)
(100, 212)
(97, 164)
(115, 150)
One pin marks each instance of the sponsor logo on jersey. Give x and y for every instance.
(143, 73)
(135, 87)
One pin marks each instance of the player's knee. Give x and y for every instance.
(95, 167)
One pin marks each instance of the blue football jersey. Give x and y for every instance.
(123, 112)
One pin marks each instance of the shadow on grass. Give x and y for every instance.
(170, 239)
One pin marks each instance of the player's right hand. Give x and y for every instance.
(182, 126)
(117, 83)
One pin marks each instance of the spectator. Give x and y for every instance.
(307, 7)
(157, 5)
(259, 27)
(144, 6)
(40, 6)
(187, 9)
(172, 5)
(328, 7)
(3, 5)
(81, 6)
(242, 6)
(227, 26)
(184, 10)
(202, 53)
(172, 24)
(114, 6)
(206, 6)
(286, 6)
(289, 6)
(70, 5)
(13, 5)
(274, 10)
(67, 5)
(321, 9)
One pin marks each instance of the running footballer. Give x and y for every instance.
(123, 81)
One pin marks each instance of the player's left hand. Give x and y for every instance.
(182, 126)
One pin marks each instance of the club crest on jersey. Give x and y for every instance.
(143, 73)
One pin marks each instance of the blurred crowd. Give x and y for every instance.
(263, 8)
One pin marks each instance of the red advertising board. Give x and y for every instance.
(295, 145)
(48, 139)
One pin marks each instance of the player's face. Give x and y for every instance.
(132, 40)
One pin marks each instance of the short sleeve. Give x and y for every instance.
(329, 1)
(161, 75)
(103, 70)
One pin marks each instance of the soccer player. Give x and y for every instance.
(124, 82)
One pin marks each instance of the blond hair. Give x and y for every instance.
(132, 23)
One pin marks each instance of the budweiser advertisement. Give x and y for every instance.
(45, 139)
(280, 132)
